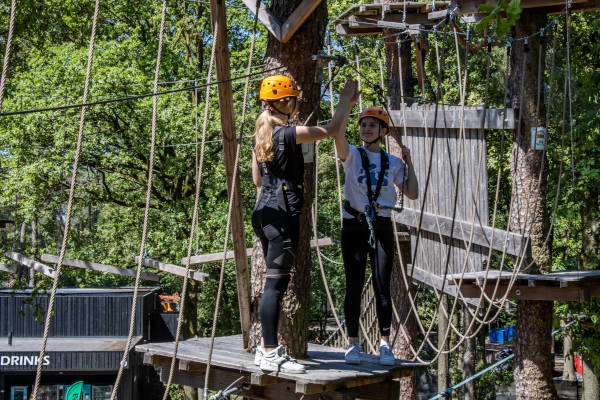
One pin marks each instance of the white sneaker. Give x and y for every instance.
(258, 355)
(386, 355)
(278, 361)
(352, 355)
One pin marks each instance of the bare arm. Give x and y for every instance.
(411, 187)
(256, 176)
(348, 96)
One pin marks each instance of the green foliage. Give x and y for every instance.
(505, 14)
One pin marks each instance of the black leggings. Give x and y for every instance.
(355, 247)
(278, 232)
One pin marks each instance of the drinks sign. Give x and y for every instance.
(13, 361)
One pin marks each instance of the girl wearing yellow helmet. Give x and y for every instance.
(372, 176)
(278, 167)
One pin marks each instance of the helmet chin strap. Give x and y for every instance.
(378, 136)
(288, 115)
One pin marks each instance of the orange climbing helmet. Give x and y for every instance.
(277, 87)
(375, 112)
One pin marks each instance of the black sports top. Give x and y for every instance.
(287, 167)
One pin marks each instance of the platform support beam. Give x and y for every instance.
(218, 18)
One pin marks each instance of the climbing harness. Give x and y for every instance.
(370, 213)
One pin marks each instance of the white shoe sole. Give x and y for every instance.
(279, 369)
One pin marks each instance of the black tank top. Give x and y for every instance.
(286, 170)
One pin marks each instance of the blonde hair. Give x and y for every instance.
(263, 135)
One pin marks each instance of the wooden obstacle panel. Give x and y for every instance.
(459, 163)
(560, 286)
(327, 376)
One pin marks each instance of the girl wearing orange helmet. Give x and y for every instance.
(278, 167)
(370, 188)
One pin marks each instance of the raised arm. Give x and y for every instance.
(348, 96)
(411, 188)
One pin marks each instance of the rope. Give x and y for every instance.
(230, 207)
(11, 26)
(147, 207)
(194, 227)
(63, 247)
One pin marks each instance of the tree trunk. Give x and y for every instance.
(308, 40)
(568, 366)
(408, 385)
(591, 385)
(33, 253)
(443, 359)
(533, 361)
(468, 356)
(589, 255)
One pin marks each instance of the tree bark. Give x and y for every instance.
(33, 252)
(400, 299)
(568, 366)
(591, 385)
(308, 40)
(408, 384)
(533, 361)
(589, 256)
(468, 356)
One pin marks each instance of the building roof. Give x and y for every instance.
(67, 344)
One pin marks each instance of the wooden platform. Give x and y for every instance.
(327, 377)
(562, 285)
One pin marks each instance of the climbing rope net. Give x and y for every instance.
(488, 307)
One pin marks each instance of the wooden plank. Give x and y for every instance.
(557, 276)
(515, 244)
(9, 268)
(224, 88)
(587, 6)
(269, 21)
(325, 365)
(471, 6)
(31, 263)
(541, 293)
(432, 280)
(450, 119)
(297, 18)
(214, 257)
(173, 269)
(100, 267)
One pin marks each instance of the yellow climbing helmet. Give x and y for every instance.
(277, 87)
(375, 112)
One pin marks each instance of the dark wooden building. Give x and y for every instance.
(88, 335)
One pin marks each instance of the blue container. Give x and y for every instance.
(509, 333)
(500, 336)
(497, 335)
(493, 335)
